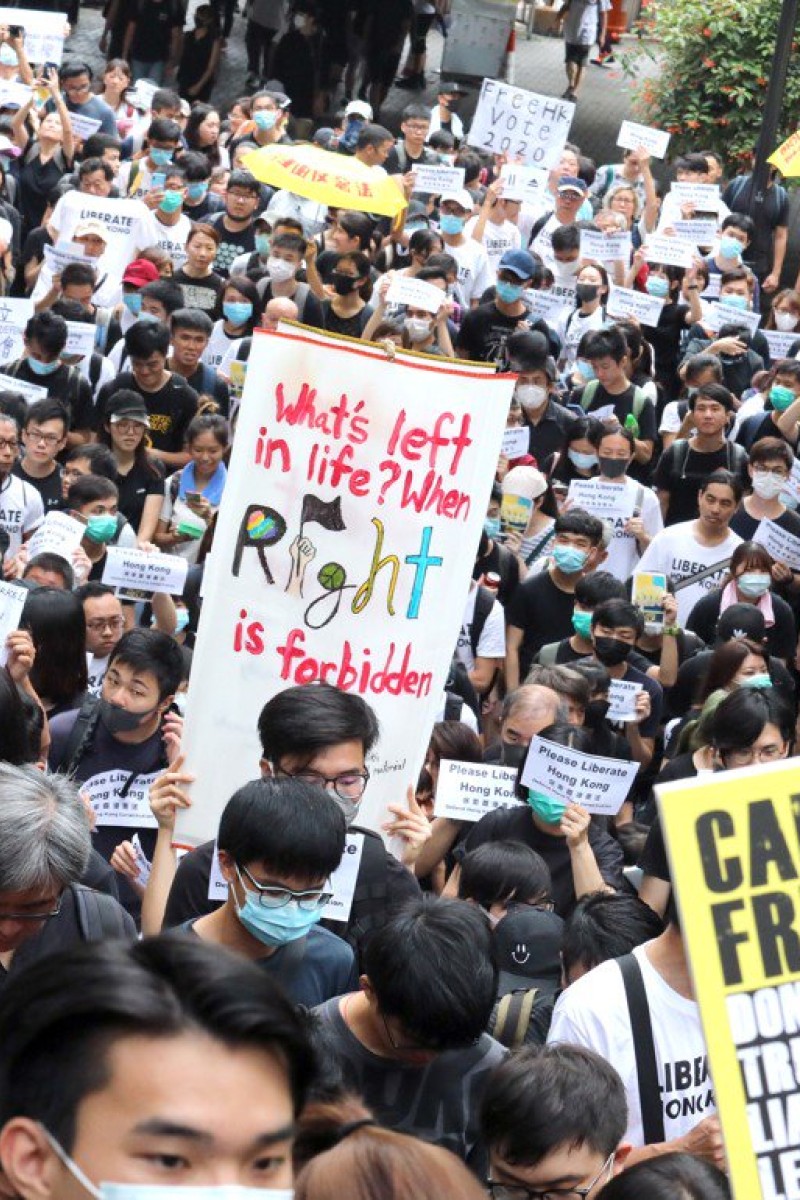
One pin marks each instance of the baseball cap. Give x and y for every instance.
(741, 621)
(461, 197)
(93, 227)
(529, 350)
(527, 946)
(359, 108)
(571, 183)
(140, 272)
(519, 262)
(127, 408)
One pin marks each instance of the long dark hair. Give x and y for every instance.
(57, 625)
(193, 122)
(141, 456)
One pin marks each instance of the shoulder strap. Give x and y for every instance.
(95, 367)
(484, 603)
(79, 735)
(538, 226)
(135, 172)
(644, 1048)
(99, 916)
(681, 448)
(513, 1017)
(537, 548)
(588, 393)
(639, 401)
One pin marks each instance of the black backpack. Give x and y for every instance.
(369, 911)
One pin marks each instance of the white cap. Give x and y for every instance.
(359, 108)
(461, 197)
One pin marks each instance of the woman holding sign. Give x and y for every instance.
(47, 157)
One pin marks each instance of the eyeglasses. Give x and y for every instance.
(270, 896)
(126, 426)
(350, 785)
(97, 625)
(36, 435)
(76, 89)
(516, 1191)
(744, 758)
(34, 916)
(9, 444)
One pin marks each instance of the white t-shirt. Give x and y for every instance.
(593, 1012)
(677, 552)
(21, 510)
(97, 668)
(496, 239)
(218, 345)
(129, 222)
(576, 326)
(107, 372)
(582, 21)
(474, 272)
(172, 239)
(622, 552)
(492, 641)
(543, 242)
(671, 419)
(456, 124)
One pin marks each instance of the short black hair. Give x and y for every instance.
(669, 1177)
(196, 166)
(245, 180)
(293, 827)
(373, 135)
(606, 925)
(289, 241)
(598, 586)
(93, 149)
(618, 614)
(88, 488)
(695, 164)
(546, 1097)
(500, 871)
(166, 292)
(55, 564)
(741, 222)
(90, 165)
(164, 129)
(154, 651)
(100, 459)
(48, 330)
(72, 69)
(47, 410)
(581, 523)
(301, 721)
(740, 719)
(566, 237)
(93, 590)
(715, 392)
(415, 112)
(145, 338)
(431, 966)
(62, 1015)
(192, 318)
(82, 273)
(726, 479)
(605, 343)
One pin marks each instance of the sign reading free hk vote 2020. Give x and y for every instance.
(343, 552)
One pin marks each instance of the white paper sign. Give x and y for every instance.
(699, 233)
(528, 184)
(600, 785)
(416, 293)
(792, 488)
(149, 572)
(622, 695)
(714, 284)
(605, 247)
(141, 95)
(703, 196)
(551, 304)
(633, 137)
(626, 302)
(80, 338)
(118, 799)
(467, 791)
(59, 533)
(671, 251)
(12, 602)
(13, 93)
(510, 120)
(56, 257)
(516, 442)
(720, 314)
(779, 343)
(44, 32)
(14, 316)
(437, 180)
(143, 863)
(31, 391)
(343, 880)
(605, 500)
(83, 127)
(782, 545)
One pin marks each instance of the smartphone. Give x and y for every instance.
(15, 31)
(157, 181)
(194, 497)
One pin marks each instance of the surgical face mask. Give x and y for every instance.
(181, 619)
(613, 468)
(238, 312)
(507, 292)
(262, 245)
(531, 395)
(754, 583)
(767, 485)
(582, 623)
(450, 224)
(118, 719)
(657, 286)
(585, 370)
(148, 316)
(491, 527)
(42, 368)
(566, 271)
(784, 321)
(7, 57)
(161, 158)
(611, 651)
(730, 247)
(278, 269)
(569, 559)
(780, 397)
(583, 462)
(586, 292)
(740, 302)
(101, 528)
(265, 120)
(171, 202)
(757, 681)
(273, 926)
(133, 302)
(417, 328)
(546, 808)
(196, 192)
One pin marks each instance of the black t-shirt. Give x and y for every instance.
(517, 825)
(135, 487)
(745, 525)
(775, 213)
(681, 474)
(503, 563)
(544, 613)
(34, 244)
(205, 293)
(66, 385)
(400, 162)
(155, 21)
(649, 727)
(218, 389)
(665, 338)
(565, 654)
(548, 436)
(623, 407)
(233, 243)
(781, 637)
(310, 311)
(170, 409)
(48, 488)
(691, 676)
(346, 326)
(485, 331)
(756, 427)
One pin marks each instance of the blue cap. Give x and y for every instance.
(571, 183)
(519, 262)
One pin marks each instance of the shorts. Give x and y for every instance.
(576, 54)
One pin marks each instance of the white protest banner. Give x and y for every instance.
(343, 552)
(80, 338)
(551, 304)
(467, 791)
(343, 880)
(626, 302)
(720, 314)
(133, 568)
(633, 136)
(516, 442)
(527, 184)
(510, 120)
(699, 233)
(58, 533)
(112, 807)
(31, 391)
(374, 350)
(622, 695)
(12, 602)
(44, 32)
(779, 343)
(129, 222)
(13, 93)
(56, 257)
(404, 289)
(714, 284)
(777, 541)
(83, 127)
(605, 247)
(600, 785)
(671, 251)
(609, 501)
(703, 196)
(437, 180)
(14, 316)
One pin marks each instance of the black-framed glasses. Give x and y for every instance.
(272, 896)
(34, 916)
(350, 785)
(517, 1191)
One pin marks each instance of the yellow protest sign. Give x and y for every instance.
(734, 849)
(787, 157)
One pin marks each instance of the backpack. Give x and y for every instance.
(369, 910)
(735, 454)
(80, 737)
(99, 916)
(590, 391)
(73, 380)
(512, 1017)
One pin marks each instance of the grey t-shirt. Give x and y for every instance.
(438, 1102)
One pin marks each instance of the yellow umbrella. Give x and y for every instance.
(335, 180)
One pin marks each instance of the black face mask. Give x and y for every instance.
(513, 754)
(343, 285)
(611, 651)
(584, 292)
(613, 468)
(595, 714)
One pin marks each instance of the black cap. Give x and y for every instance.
(527, 945)
(449, 87)
(741, 621)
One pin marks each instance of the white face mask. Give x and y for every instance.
(784, 321)
(767, 485)
(279, 270)
(563, 271)
(417, 328)
(530, 395)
